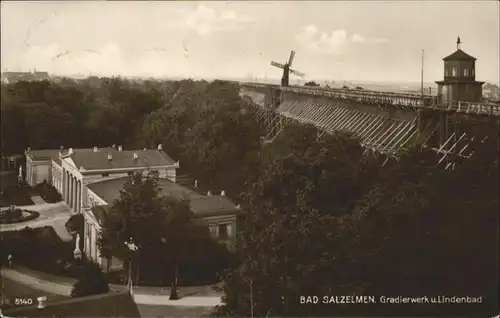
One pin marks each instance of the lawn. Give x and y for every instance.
(15, 195)
(12, 290)
(172, 311)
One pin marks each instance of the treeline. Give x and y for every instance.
(324, 219)
(204, 125)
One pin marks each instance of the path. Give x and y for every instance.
(146, 297)
(52, 214)
(37, 200)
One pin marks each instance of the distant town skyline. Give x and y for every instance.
(352, 41)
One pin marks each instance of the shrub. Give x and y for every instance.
(48, 193)
(15, 195)
(16, 215)
(92, 282)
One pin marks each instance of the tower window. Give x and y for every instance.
(454, 71)
(466, 72)
(472, 72)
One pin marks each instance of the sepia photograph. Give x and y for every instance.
(250, 159)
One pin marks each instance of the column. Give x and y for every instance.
(79, 196)
(71, 190)
(65, 186)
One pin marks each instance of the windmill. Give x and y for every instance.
(287, 70)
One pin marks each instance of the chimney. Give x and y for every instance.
(28, 149)
(70, 151)
(209, 193)
(238, 206)
(110, 157)
(136, 156)
(223, 193)
(96, 149)
(120, 148)
(160, 147)
(41, 302)
(114, 146)
(196, 183)
(144, 149)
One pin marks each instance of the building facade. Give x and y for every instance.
(89, 180)
(459, 82)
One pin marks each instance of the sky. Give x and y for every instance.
(353, 40)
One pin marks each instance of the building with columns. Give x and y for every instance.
(214, 211)
(89, 180)
(73, 171)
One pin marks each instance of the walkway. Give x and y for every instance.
(51, 214)
(142, 295)
(37, 199)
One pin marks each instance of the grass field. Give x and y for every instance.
(25, 295)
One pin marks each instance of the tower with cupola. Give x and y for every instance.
(459, 82)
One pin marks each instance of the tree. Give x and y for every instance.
(292, 243)
(92, 282)
(311, 83)
(341, 225)
(160, 226)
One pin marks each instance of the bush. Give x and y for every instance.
(48, 193)
(16, 215)
(92, 282)
(15, 195)
(38, 249)
(75, 224)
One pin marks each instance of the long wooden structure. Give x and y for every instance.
(386, 122)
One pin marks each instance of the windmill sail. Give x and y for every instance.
(273, 63)
(286, 69)
(300, 74)
(292, 55)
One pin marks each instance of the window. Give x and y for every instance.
(130, 173)
(105, 174)
(466, 72)
(454, 71)
(223, 231)
(472, 72)
(446, 72)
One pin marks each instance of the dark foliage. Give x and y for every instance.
(48, 192)
(92, 282)
(15, 195)
(16, 215)
(311, 83)
(39, 249)
(341, 225)
(171, 247)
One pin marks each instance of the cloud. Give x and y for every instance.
(335, 42)
(205, 20)
(111, 59)
(356, 38)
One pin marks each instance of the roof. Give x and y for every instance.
(104, 305)
(204, 205)
(459, 81)
(200, 204)
(459, 55)
(43, 154)
(57, 159)
(124, 159)
(48, 154)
